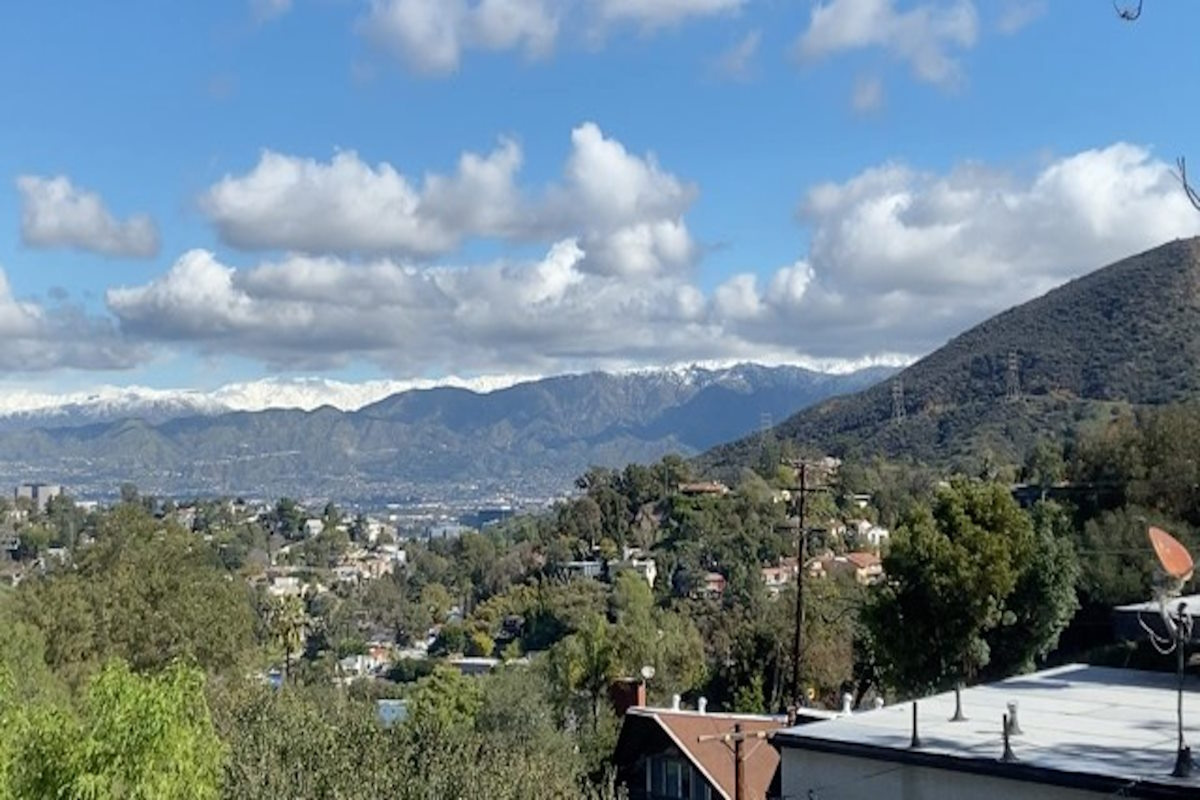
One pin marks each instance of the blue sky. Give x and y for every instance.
(201, 193)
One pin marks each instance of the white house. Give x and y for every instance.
(1081, 732)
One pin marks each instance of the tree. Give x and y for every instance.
(951, 576)
(286, 621)
(146, 592)
(136, 738)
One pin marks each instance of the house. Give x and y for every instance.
(869, 535)
(678, 754)
(1081, 732)
(474, 665)
(285, 586)
(645, 567)
(313, 527)
(590, 568)
(714, 584)
(865, 567)
(715, 488)
(777, 576)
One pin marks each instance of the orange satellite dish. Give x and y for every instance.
(1176, 561)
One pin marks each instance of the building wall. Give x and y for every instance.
(835, 777)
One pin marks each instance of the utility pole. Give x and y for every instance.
(736, 741)
(801, 564)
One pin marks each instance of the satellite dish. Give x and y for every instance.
(1176, 567)
(1174, 558)
(647, 673)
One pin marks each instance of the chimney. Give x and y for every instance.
(702, 705)
(847, 703)
(791, 716)
(640, 695)
(675, 700)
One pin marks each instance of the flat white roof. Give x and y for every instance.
(1076, 720)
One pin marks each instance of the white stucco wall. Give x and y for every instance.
(836, 777)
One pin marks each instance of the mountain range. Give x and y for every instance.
(530, 439)
(1124, 336)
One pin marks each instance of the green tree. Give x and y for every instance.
(951, 575)
(286, 622)
(136, 738)
(144, 591)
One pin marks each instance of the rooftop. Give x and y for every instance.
(1081, 726)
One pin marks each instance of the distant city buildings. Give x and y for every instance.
(38, 494)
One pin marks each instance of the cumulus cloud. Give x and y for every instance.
(56, 213)
(899, 261)
(41, 338)
(432, 35)
(925, 36)
(294, 203)
(626, 210)
(302, 312)
(904, 259)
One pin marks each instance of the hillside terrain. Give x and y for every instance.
(1125, 335)
(531, 439)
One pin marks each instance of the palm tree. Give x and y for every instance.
(286, 622)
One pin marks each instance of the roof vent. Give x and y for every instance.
(847, 703)
(1014, 727)
(702, 705)
(675, 700)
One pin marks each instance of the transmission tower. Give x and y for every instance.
(898, 410)
(1012, 378)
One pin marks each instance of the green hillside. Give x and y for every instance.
(1125, 335)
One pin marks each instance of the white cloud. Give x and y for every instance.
(736, 63)
(626, 210)
(652, 14)
(432, 35)
(903, 259)
(1017, 14)
(923, 36)
(899, 260)
(319, 312)
(287, 202)
(56, 213)
(868, 95)
(40, 338)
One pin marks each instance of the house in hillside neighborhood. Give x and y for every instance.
(596, 569)
(866, 568)
(714, 584)
(869, 535)
(678, 754)
(700, 488)
(780, 575)
(1081, 732)
(313, 527)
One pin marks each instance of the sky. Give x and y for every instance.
(199, 194)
